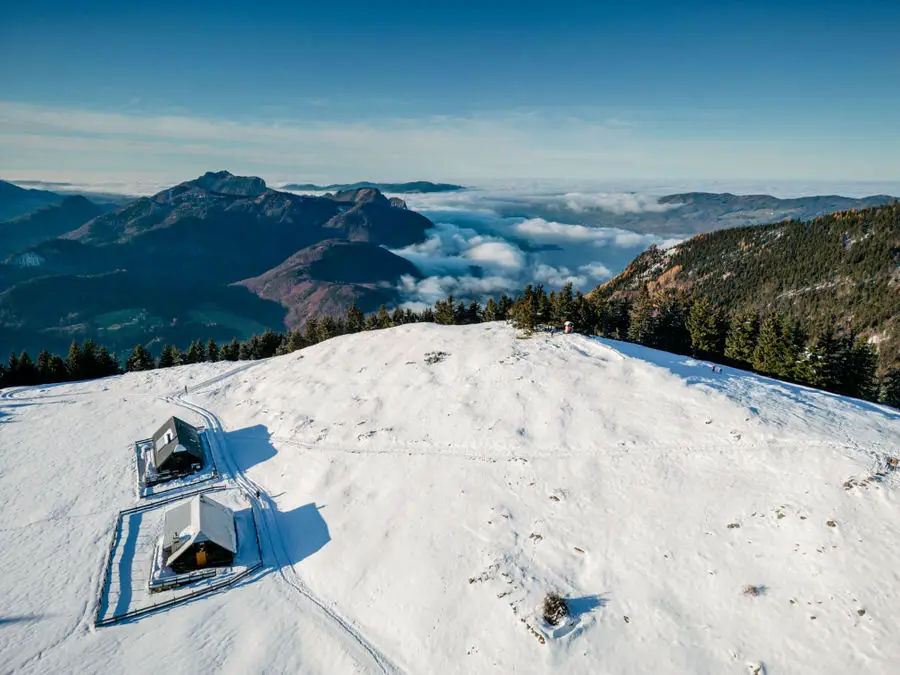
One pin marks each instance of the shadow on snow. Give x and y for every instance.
(585, 604)
(249, 446)
(694, 373)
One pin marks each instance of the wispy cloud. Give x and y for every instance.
(60, 143)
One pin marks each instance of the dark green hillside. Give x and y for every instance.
(845, 265)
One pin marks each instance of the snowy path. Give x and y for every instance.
(263, 504)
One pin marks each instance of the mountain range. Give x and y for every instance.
(220, 256)
(225, 256)
(689, 213)
(413, 187)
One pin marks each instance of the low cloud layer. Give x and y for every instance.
(478, 250)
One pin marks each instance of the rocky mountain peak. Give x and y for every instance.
(362, 196)
(226, 183)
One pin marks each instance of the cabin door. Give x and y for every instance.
(201, 558)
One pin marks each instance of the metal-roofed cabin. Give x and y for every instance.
(177, 448)
(199, 533)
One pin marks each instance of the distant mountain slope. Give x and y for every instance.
(47, 222)
(413, 187)
(16, 201)
(178, 257)
(690, 213)
(845, 264)
(331, 275)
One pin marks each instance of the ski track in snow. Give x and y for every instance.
(264, 505)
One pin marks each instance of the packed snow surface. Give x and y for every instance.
(421, 489)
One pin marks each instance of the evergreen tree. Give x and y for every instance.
(825, 362)
(774, 353)
(706, 324)
(370, 322)
(563, 305)
(106, 363)
(27, 371)
(57, 369)
(491, 311)
(398, 318)
(212, 351)
(504, 305)
(230, 351)
(166, 357)
(543, 308)
(74, 362)
(863, 382)
(523, 312)
(740, 344)
(43, 367)
(12, 371)
(643, 320)
(328, 328)
(3, 379)
(139, 360)
(890, 388)
(473, 313)
(384, 319)
(459, 313)
(295, 341)
(195, 353)
(355, 319)
(249, 348)
(311, 331)
(427, 315)
(409, 316)
(268, 343)
(444, 312)
(90, 361)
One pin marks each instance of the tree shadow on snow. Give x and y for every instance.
(697, 372)
(6, 620)
(585, 604)
(250, 446)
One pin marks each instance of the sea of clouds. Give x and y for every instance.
(491, 241)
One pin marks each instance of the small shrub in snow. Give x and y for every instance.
(555, 609)
(435, 357)
(753, 591)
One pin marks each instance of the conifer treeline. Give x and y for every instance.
(673, 321)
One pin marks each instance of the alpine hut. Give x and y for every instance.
(199, 533)
(177, 448)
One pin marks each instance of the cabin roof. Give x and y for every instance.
(182, 437)
(196, 520)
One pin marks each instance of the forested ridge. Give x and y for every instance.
(840, 270)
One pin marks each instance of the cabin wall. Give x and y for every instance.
(201, 555)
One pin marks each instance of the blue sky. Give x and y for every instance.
(601, 91)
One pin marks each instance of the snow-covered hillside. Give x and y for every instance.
(422, 488)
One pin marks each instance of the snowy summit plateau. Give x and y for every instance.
(405, 501)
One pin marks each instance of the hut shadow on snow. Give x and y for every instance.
(303, 529)
(250, 446)
(304, 532)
